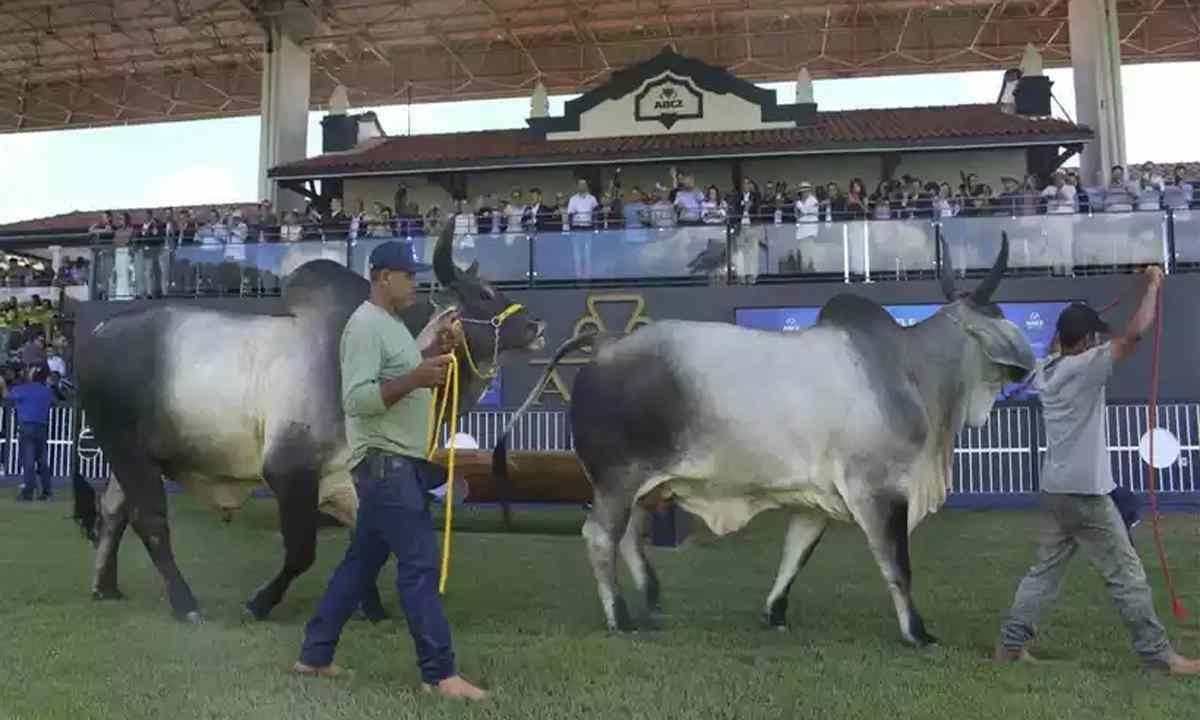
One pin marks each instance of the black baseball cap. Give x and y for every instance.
(1077, 321)
(396, 255)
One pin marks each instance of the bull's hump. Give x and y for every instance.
(855, 313)
(324, 286)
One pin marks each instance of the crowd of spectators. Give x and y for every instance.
(683, 202)
(32, 337)
(233, 249)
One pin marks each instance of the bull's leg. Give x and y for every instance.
(603, 529)
(296, 494)
(804, 532)
(147, 500)
(634, 554)
(885, 522)
(114, 517)
(340, 500)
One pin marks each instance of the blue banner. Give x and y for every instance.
(1035, 319)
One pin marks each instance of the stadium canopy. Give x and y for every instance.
(87, 63)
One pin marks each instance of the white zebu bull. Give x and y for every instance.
(853, 420)
(223, 403)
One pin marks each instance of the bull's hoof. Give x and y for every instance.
(194, 618)
(251, 613)
(107, 594)
(773, 621)
(921, 641)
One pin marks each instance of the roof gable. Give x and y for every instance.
(673, 68)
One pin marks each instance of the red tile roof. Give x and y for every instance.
(857, 130)
(80, 220)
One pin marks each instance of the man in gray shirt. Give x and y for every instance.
(1076, 486)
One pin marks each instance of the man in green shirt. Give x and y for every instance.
(386, 394)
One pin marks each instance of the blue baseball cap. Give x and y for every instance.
(396, 255)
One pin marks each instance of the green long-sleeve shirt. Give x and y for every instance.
(376, 346)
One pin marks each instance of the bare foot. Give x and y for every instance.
(1004, 654)
(1180, 665)
(457, 688)
(328, 671)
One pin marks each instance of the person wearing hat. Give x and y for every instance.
(1076, 488)
(386, 392)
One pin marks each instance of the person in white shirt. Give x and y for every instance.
(1150, 186)
(581, 206)
(688, 200)
(1060, 197)
(807, 206)
(464, 220)
(514, 213)
(1060, 236)
(713, 209)
(945, 205)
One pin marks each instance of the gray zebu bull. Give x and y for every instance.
(853, 419)
(221, 402)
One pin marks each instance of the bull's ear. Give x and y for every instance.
(1003, 343)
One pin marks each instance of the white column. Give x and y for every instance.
(1096, 60)
(284, 134)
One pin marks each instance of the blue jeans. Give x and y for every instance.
(393, 518)
(33, 439)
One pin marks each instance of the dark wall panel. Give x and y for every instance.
(565, 310)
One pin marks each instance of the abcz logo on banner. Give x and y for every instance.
(668, 100)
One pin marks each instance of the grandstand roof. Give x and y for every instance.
(77, 63)
(955, 127)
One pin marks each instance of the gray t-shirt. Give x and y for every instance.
(1073, 409)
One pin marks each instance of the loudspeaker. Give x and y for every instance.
(1033, 96)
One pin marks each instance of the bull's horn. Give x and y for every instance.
(443, 260)
(946, 272)
(983, 293)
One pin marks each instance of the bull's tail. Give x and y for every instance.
(500, 451)
(84, 511)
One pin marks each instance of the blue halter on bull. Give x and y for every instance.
(223, 402)
(853, 419)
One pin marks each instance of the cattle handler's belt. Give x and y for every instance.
(382, 465)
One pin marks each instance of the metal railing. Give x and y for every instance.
(1002, 458)
(852, 250)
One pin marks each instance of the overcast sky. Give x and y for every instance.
(216, 161)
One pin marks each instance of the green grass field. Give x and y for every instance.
(528, 626)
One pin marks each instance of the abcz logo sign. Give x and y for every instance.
(668, 100)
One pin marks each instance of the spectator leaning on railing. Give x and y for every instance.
(1059, 196)
(1120, 194)
(34, 400)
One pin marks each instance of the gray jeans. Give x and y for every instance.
(1093, 524)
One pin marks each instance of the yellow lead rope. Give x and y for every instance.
(451, 390)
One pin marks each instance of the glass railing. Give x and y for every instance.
(122, 273)
(503, 257)
(1059, 243)
(1186, 224)
(653, 253)
(849, 250)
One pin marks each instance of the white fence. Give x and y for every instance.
(1001, 458)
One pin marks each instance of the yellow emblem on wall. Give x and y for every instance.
(593, 321)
